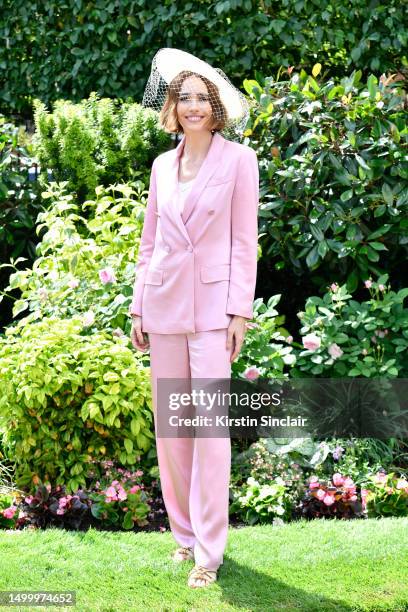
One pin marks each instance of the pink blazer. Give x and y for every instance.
(197, 269)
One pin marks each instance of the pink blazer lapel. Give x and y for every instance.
(211, 162)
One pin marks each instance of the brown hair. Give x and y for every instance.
(168, 113)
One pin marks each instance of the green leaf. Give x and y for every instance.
(387, 194)
(128, 445)
(346, 195)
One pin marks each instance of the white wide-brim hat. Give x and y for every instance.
(169, 62)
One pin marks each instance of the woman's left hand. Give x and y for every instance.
(235, 335)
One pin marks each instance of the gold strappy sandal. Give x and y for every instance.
(201, 573)
(184, 553)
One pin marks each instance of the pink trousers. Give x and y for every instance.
(194, 472)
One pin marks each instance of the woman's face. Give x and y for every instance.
(194, 110)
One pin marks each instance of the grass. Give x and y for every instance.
(316, 566)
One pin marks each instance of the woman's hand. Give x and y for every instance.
(235, 335)
(139, 341)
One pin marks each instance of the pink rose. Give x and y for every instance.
(368, 284)
(334, 287)
(311, 342)
(252, 373)
(335, 351)
(107, 275)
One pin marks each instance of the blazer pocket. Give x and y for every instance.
(210, 274)
(154, 276)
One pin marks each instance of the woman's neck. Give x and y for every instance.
(196, 146)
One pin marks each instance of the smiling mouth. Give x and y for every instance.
(195, 118)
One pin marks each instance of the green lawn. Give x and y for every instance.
(309, 566)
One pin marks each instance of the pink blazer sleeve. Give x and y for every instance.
(146, 245)
(244, 236)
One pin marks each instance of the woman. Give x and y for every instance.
(195, 285)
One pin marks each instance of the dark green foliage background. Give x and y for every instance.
(68, 49)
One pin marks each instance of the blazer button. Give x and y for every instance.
(211, 211)
(189, 248)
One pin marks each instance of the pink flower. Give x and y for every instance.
(88, 318)
(380, 477)
(328, 499)
(320, 494)
(73, 283)
(61, 511)
(348, 483)
(122, 495)
(28, 499)
(139, 473)
(402, 483)
(134, 489)
(353, 497)
(368, 284)
(338, 479)
(311, 342)
(252, 373)
(289, 339)
(107, 275)
(381, 287)
(250, 325)
(110, 494)
(335, 351)
(314, 482)
(8, 513)
(334, 287)
(118, 332)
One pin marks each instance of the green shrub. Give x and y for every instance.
(333, 176)
(96, 142)
(109, 46)
(387, 495)
(262, 503)
(19, 198)
(266, 349)
(69, 396)
(84, 265)
(342, 337)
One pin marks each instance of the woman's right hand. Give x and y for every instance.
(139, 341)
